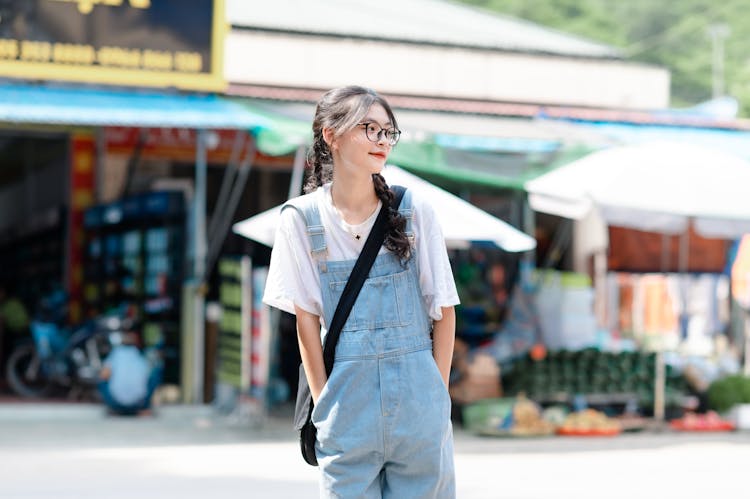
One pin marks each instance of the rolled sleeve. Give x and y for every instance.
(292, 276)
(435, 274)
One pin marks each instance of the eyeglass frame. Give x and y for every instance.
(382, 130)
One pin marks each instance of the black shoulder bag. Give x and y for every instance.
(304, 405)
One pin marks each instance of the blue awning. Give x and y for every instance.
(732, 141)
(497, 144)
(37, 104)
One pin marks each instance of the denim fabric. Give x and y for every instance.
(383, 416)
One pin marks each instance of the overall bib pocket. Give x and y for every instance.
(384, 302)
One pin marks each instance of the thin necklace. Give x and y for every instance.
(346, 226)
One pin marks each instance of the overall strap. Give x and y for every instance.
(308, 207)
(405, 209)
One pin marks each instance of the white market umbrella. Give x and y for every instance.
(655, 186)
(260, 227)
(461, 221)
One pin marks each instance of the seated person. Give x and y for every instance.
(128, 379)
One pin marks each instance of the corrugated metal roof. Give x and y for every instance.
(98, 107)
(421, 21)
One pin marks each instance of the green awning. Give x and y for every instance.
(283, 139)
(431, 160)
(491, 170)
(429, 157)
(284, 135)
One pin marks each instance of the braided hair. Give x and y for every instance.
(342, 109)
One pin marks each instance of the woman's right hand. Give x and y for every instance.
(311, 350)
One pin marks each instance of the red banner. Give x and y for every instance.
(82, 194)
(178, 144)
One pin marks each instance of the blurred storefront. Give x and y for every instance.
(114, 143)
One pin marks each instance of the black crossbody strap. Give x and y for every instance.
(357, 278)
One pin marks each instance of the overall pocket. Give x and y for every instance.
(384, 301)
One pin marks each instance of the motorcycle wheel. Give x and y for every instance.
(24, 373)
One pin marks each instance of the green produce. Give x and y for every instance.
(727, 392)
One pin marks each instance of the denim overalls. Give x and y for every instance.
(383, 416)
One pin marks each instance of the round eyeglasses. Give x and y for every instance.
(373, 131)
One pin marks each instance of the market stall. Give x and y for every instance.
(664, 187)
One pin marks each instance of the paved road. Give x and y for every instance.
(77, 452)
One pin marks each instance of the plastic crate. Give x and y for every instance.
(486, 413)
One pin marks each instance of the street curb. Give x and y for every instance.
(59, 412)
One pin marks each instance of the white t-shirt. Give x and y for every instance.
(293, 275)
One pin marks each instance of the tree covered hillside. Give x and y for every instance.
(675, 34)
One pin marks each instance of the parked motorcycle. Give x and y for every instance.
(66, 359)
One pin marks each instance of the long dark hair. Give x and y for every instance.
(342, 109)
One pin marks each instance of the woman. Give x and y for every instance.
(383, 416)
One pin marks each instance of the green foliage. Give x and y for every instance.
(669, 33)
(727, 392)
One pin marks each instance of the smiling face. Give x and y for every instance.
(354, 154)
